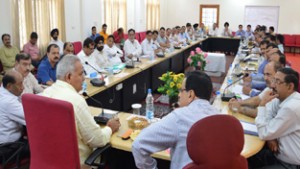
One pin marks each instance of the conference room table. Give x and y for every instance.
(252, 143)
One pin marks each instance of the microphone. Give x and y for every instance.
(96, 81)
(226, 97)
(101, 118)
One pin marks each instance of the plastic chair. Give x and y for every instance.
(77, 47)
(290, 41)
(52, 134)
(216, 142)
(297, 42)
(142, 36)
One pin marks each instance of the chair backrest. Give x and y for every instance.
(142, 36)
(137, 37)
(125, 36)
(51, 133)
(77, 47)
(297, 40)
(216, 142)
(289, 40)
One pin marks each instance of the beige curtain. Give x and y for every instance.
(115, 15)
(39, 16)
(153, 14)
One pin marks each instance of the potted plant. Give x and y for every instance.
(172, 84)
(197, 59)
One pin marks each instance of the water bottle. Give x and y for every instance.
(218, 101)
(229, 81)
(149, 106)
(84, 86)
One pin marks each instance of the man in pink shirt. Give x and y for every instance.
(32, 49)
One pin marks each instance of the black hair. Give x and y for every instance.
(177, 27)
(87, 42)
(249, 26)
(291, 76)
(280, 38)
(271, 28)
(188, 24)
(148, 31)
(93, 27)
(272, 45)
(66, 44)
(240, 25)
(50, 46)
(104, 25)
(53, 31)
(200, 82)
(162, 28)
(8, 79)
(264, 42)
(168, 29)
(33, 35)
(226, 24)
(98, 39)
(5, 35)
(195, 25)
(131, 30)
(263, 28)
(155, 32)
(111, 36)
(272, 38)
(120, 30)
(22, 56)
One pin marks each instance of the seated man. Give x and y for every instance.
(272, 30)
(54, 35)
(147, 45)
(189, 30)
(103, 32)
(249, 106)
(171, 131)
(94, 33)
(32, 49)
(111, 50)
(226, 31)
(88, 60)
(214, 31)
(69, 82)
(162, 39)
(278, 118)
(47, 69)
(249, 33)
(183, 36)
(8, 53)
(23, 62)
(155, 42)
(102, 58)
(132, 47)
(12, 117)
(241, 33)
(119, 36)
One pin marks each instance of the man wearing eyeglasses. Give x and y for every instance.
(278, 118)
(171, 131)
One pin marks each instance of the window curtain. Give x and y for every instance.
(39, 16)
(115, 15)
(153, 14)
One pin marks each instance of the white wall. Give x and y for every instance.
(5, 18)
(73, 20)
(180, 12)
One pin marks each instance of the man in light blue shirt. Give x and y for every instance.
(249, 33)
(171, 132)
(241, 33)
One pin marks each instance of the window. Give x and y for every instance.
(153, 14)
(115, 15)
(209, 14)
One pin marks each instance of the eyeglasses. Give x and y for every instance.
(277, 81)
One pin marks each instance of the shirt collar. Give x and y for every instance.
(64, 84)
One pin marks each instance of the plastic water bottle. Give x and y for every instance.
(218, 101)
(149, 106)
(84, 86)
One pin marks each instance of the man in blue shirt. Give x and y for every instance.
(171, 132)
(241, 33)
(47, 69)
(94, 33)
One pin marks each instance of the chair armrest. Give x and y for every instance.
(91, 159)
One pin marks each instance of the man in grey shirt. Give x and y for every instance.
(278, 118)
(171, 132)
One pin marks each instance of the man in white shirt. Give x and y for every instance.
(132, 47)
(30, 83)
(70, 76)
(110, 49)
(101, 57)
(162, 39)
(214, 31)
(189, 30)
(155, 42)
(278, 118)
(171, 132)
(148, 47)
(54, 35)
(12, 117)
(88, 60)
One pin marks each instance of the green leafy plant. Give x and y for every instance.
(172, 83)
